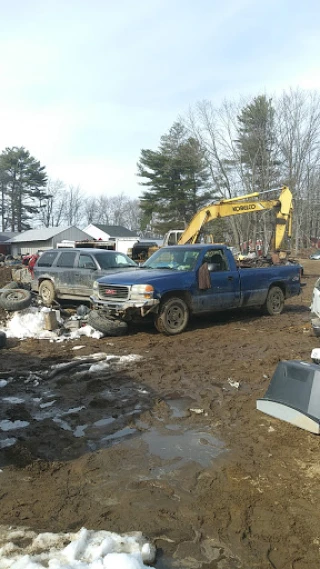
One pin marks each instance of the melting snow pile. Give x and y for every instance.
(30, 323)
(86, 550)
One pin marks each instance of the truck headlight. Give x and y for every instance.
(95, 285)
(139, 292)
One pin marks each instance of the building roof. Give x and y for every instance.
(38, 234)
(115, 230)
(7, 235)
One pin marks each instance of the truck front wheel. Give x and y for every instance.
(173, 317)
(275, 301)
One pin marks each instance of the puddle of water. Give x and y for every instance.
(7, 425)
(118, 435)
(62, 424)
(103, 422)
(13, 400)
(180, 407)
(7, 443)
(44, 405)
(189, 445)
(80, 431)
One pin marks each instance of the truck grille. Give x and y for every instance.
(110, 292)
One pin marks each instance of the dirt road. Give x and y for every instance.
(169, 443)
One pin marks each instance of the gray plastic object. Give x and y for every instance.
(293, 395)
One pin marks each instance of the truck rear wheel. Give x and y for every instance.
(173, 317)
(275, 301)
(47, 292)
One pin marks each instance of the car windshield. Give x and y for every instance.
(174, 258)
(114, 260)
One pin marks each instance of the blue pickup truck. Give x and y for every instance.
(176, 282)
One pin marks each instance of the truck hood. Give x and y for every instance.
(147, 276)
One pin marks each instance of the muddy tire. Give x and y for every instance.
(3, 339)
(15, 299)
(107, 325)
(173, 317)
(47, 292)
(275, 302)
(11, 285)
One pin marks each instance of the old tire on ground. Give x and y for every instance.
(11, 285)
(107, 325)
(275, 301)
(47, 292)
(173, 317)
(3, 339)
(15, 299)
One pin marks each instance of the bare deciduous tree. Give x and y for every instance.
(51, 211)
(74, 201)
(114, 210)
(299, 140)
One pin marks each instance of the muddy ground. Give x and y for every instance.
(168, 444)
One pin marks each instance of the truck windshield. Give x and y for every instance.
(173, 258)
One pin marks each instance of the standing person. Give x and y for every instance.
(32, 261)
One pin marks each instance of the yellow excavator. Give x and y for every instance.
(237, 206)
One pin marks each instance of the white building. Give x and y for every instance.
(123, 238)
(35, 240)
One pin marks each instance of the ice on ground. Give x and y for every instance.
(30, 323)
(87, 549)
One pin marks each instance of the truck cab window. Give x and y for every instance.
(217, 258)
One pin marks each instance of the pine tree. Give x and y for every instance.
(257, 145)
(259, 161)
(23, 183)
(176, 176)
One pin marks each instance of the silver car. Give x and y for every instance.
(70, 273)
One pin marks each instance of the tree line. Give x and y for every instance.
(29, 199)
(255, 145)
(210, 153)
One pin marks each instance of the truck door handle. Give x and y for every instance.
(230, 278)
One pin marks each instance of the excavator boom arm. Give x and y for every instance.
(238, 206)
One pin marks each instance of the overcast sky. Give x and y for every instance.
(86, 84)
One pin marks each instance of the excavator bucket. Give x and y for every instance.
(293, 395)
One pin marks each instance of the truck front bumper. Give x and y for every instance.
(122, 309)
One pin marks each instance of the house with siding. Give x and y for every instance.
(123, 238)
(35, 240)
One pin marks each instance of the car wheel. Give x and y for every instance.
(15, 299)
(275, 301)
(47, 292)
(107, 326)
(173, 317)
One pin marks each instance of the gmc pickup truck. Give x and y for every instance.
(177, 282)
